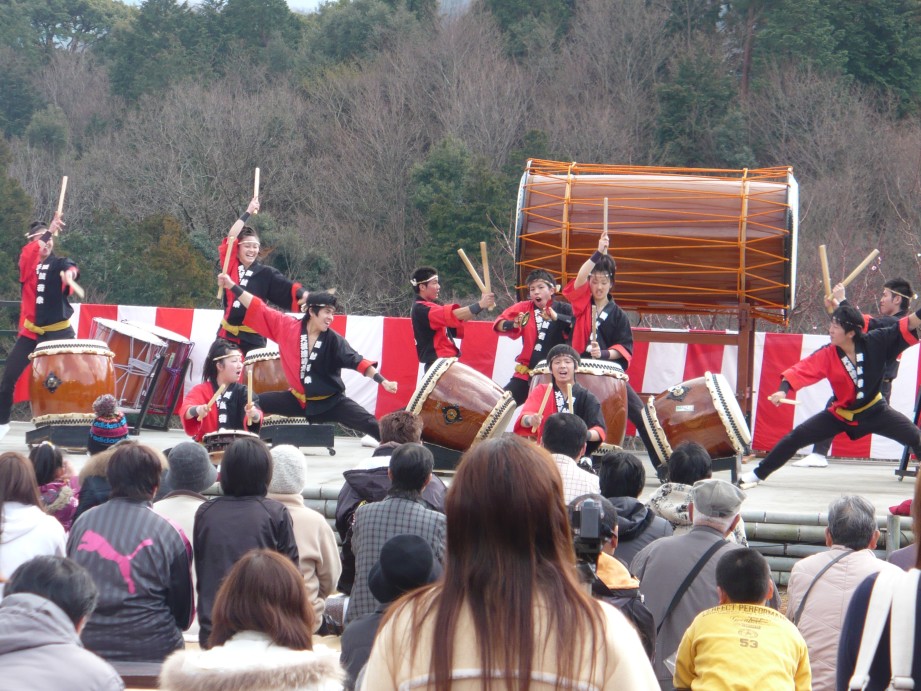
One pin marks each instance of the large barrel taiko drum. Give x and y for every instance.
(136, 352)
(268, 374)
(178, 351)
(703, 410)
(460, 406)
(67, 376)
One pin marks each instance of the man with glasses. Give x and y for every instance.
(265, 282)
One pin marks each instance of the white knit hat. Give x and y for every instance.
(289, 470)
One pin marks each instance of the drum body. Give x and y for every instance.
(268, 374)
(216, 442)
(136, 352)
(702, 410)
(67, 376)
(608, 382)
(177, 353)
(460, 406)
(695, 242)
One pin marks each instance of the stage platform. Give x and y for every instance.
(794, 491)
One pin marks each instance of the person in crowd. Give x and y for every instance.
(94, 487)
(563, 361)
(540, 322)
(48, 602)
(402, 512)
(262, 635)
(904, 557)
(109, 427)
(602, 330)
(264, 281)
(203, 412)
(855, 363)
(57, 483)
(26, 531)
(821, 586)
(688, 464)
(398, 427)
(312, 356)
(622, 477)
(611, 580)
(140, 562)
(406, 563)
(316, 543)
(243, 518)
(740, 643)
(435, 326)
(852, 631)
(564, 436)
(44, 312)
(506, 608)
(665, 565)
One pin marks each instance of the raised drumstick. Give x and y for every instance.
(826, 280)
(256, 186)
(217, 395)
(605, 215)
(569, 401)
(61, 196)
(543, 404)
(74, 286)
(230, 243)
(472, 271)
(486, 281)
(860, 267)
(249, 385)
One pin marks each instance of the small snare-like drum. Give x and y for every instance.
(268, 374)
(608, 382)
(177, 353)
(67, 376)
(216, 442)
(136, 352)
(702, 410)
(459, 406)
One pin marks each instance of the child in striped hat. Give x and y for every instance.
(109, 427)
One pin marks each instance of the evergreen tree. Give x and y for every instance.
(16, 212)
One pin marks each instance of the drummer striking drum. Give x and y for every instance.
(203, 411)
(543, 402)
(541, 323)
(44, 313)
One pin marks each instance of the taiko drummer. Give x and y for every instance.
(562, 395)
(602, 330)
(263, 281)
(44, 314)
(220, 401)
(540, 322)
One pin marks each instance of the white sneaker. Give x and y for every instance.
(369, 441)
(813, 460)
(748, 480)
(4, 429)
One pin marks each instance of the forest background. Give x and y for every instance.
(389, 133)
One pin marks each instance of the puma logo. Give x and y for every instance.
(94, 542)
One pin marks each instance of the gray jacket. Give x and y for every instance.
(40, 649)
(637, 526)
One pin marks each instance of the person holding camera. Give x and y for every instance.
(595, 537)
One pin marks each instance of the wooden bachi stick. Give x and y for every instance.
(860, 267)
(217, 395)
(74, 286)
(826, 279)
(61, 196)
(486, 281)
(472, 271)
(256, 185)
(569, 401)
(543, 404)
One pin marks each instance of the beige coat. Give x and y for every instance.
(316, 546)
(823, 616)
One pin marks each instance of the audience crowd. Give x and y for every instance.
(530, 571)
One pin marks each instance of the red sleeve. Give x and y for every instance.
(625, 354)
(199, 395)
(907, 333)
(532, 406)
(28, 259)
(364, 365)
(441, 316)
(231, 267)
(295, 289)
(264, 320)
(810, 370)
(510, 314)
(580, 298)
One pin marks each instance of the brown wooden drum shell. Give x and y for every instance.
(65, 382)
(459, 405)
(136, 351)
(268, 374)
(178, 351)
(608, 388)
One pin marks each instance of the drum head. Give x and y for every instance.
(72, 345)
(730, 412)
(160, 332)
(261, 355)
(131, 331)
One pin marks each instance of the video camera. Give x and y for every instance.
(588, 535)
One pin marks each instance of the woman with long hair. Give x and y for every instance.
(57, 483)
(262, 635)
(509, 612)
(25, 530)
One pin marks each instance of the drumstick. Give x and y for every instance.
(789, 401)
(605, 215)
(61, 197)
(256, 187)
(486, 281)
(230, 241)
(471, 270)
(74, 287)
(826, 280)
(217, 395)
(543, 404)
(569, 398)
(863, 265)
(249, 391)
(595, 322)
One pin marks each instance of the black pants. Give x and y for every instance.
(519, 388)
(880, 419)
(346, 412)
(822, 447)
(17, 362)
(635, 415)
